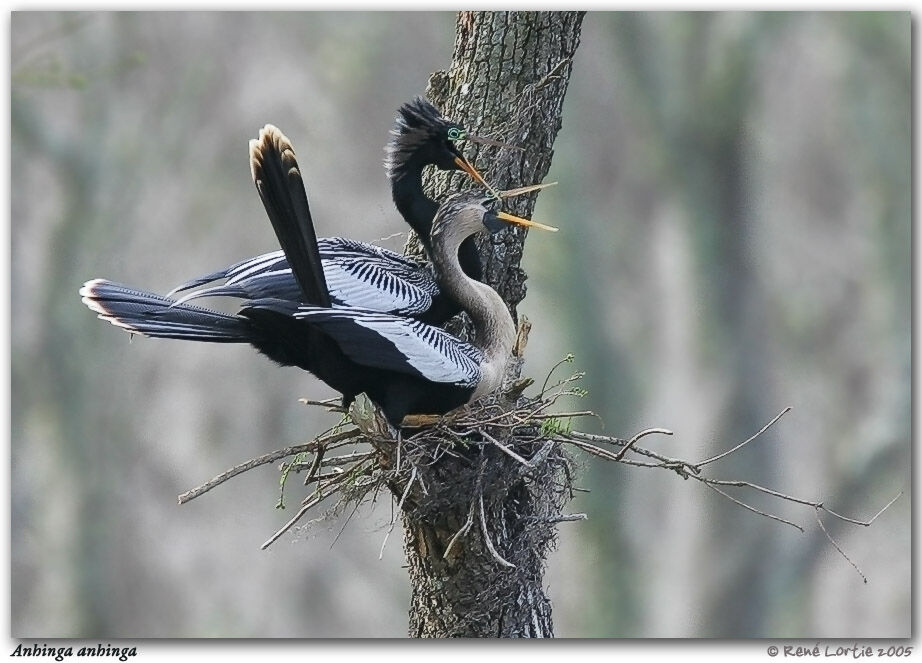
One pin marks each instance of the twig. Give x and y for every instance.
(566, 415)
(742, 444)
(863, 523)
(406, 491)
(286, 469)
(307, 506)
(566, 360)
(643, 433)
(556, 519)
(355, 507)
(486, 537)
(543, 453)
(681, 467)
(336, 473)
(506, 450)
(461, 532)
(762, 489)
(345, 459)
(751, 508)
(315, 465)
(819, 521)
(329, 404)
(591, 448)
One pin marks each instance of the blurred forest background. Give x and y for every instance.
(734, 204)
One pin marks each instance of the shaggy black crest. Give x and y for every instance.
(417, 122)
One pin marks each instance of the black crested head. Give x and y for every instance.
(421, 136)
(420, 113)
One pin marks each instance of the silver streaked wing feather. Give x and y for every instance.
(367, 276)
(249, 268)
(371, 284)
(429, 351)
(255, 267)
(272, 262)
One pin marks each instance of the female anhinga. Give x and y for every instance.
(357, 273)
(404, 365)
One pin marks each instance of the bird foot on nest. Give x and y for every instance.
(425, 420)
(421, 420)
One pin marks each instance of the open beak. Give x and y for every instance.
(519, 221)
(511, 193)
(466, 166)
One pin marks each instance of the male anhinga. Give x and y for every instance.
(404, 365)
(357, 273)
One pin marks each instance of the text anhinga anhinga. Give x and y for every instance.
(357, 273)
(404, 365)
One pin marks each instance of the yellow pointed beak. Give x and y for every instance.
(519, 221)
(511, 193)
(466, 166)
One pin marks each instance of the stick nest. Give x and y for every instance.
(504, 461)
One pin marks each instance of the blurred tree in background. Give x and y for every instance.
(735, 208)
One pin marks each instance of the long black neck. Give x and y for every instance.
(418, 210)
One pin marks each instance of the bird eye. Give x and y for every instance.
(456, 134)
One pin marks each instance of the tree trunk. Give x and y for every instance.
(507, 80)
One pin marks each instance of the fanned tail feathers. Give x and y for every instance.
(278, 179)
(145, 313)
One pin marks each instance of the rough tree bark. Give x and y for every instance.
(507, 80)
